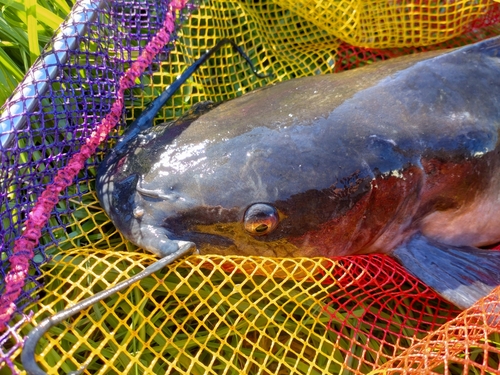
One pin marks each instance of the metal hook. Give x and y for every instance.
(32, 338)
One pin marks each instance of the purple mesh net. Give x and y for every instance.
(67, 92)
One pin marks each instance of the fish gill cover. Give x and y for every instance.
(216, 314)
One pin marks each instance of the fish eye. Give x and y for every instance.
(260, 219)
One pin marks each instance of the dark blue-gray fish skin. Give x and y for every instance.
(396, 157)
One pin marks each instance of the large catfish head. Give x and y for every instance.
(251, 177)
(325, 165)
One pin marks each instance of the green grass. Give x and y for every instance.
(25, 28)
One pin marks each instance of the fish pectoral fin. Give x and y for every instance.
(460, 274)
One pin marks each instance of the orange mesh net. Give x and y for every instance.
(233, 315)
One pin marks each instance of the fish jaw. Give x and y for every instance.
(131, 214)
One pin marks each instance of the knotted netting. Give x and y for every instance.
(210, 314)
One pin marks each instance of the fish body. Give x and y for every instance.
(400, 157)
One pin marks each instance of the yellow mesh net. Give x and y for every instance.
(389, 24)
(234, 315)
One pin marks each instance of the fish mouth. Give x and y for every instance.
(201, 239)
(205, 226)
(232, 239)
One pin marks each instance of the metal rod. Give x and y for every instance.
(38, 79)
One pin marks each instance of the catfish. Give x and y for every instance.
(399, 157)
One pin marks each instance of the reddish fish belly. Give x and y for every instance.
(462, 201)
(450, 202)
(476, 223)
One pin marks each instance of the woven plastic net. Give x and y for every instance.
(212, 314)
